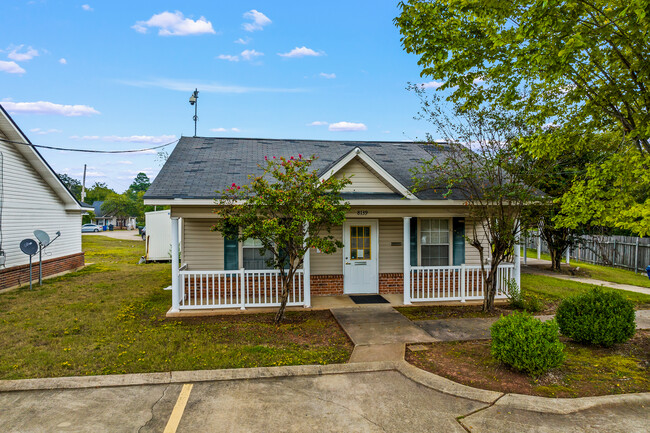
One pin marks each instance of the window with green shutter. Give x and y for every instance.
(231, 251)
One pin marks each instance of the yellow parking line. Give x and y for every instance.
(177, 413)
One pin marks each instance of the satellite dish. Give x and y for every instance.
(29, 246)
(42, 237)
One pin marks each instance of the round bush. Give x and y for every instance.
(526, 343)
(597, 317)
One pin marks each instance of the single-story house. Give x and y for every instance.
(395, 241)
(32, 197)
(101, 219)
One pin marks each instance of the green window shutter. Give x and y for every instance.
(459, 241)
(414, 241)
(230, 253)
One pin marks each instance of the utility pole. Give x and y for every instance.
(194, 100)
(83, 186)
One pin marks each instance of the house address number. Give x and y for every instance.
(362, 212)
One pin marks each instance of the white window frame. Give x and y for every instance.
(449, 242)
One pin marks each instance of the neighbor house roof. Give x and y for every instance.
(199, 166)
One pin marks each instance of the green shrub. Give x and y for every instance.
(515, 297)
(533, 304)
(597, 317)
(526, 343)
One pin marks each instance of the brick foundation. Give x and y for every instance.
(391, 283)
(19, 275)
(326, 285)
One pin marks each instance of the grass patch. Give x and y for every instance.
(587, 371)
(110, 318)
(551, 290)
(604, 273)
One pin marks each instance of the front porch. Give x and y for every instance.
(211, 291)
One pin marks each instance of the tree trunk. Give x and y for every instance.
(490, 288)
(287, 285)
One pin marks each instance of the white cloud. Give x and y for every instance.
(225, 130)
(63, 61)
(250, 54)
(243, 41)
(210, 87)
(174, 24)
(16, 55)
(258, 21)
(235, 129)
(40, 131)
(317, 123)
(328, 76)
(347, 126)
(86, 8)
(147, 139)
(44, 107)
(385, 132)
(125, 162)
(431, 84)
(228, 57)
(11, 67)
(301, 52)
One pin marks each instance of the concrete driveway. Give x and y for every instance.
(129, 235)
(370, 397)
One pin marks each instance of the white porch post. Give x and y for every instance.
(568, 255)
(517, 261)
(539, 245)
(176, 287)
(306, 269)
(407, 260)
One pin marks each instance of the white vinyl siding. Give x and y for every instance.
(202, 249)
(328, 264)
(363, 180)
(29, 203)
(391, 255)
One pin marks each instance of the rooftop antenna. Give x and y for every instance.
(194, 100)
(29, 247)
(43, 242)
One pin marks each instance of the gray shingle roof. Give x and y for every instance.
(199, 166)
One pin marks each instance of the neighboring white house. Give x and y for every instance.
(32, 197)
(396, 243)
(127, 223)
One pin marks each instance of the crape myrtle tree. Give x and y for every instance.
(289, 210)
(581, 65)
(479, 161)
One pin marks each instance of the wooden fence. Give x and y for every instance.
(615, 251)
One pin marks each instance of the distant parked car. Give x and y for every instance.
(90, 228)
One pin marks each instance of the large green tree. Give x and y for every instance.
(120, 205)
(99, 191)
(289, 210)
(141, 183)
(581, 65)
(73, 185)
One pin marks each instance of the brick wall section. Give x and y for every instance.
(391, 283)
(326, 285)
(18, 275)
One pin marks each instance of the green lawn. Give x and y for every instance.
(110, 318)
(552, 290)
(604, 273)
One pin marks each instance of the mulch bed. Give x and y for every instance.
(587, 371)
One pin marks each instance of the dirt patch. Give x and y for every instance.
(587, 371)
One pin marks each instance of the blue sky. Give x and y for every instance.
(118, 75)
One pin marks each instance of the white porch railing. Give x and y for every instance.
(455, 283)
(237, 289)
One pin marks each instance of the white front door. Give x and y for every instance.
(360, 256)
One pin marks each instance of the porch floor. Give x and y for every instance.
(317, 303)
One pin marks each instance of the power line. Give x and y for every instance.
(67, 149)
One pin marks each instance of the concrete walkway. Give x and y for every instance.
(534, 267)
(479, 328)
(127, 235)
(367, 397)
